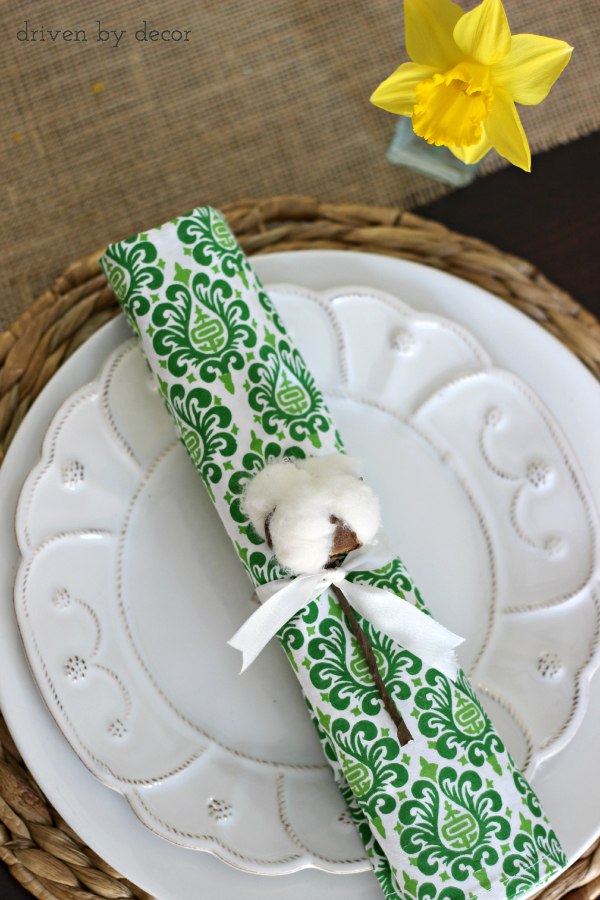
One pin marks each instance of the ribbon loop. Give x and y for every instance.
(413, 629)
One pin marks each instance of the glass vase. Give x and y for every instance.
(413, 152)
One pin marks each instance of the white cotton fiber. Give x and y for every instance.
(301, 496)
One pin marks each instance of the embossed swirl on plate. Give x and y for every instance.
(127, 590)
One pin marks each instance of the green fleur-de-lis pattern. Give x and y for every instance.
(448, 817)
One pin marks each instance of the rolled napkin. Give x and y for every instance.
(446, 816)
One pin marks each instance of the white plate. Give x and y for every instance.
(128, 591)
(424, 289)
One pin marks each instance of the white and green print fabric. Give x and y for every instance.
(447, 817)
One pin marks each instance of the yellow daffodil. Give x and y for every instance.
(467, 73)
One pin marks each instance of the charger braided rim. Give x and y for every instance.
(40, 849)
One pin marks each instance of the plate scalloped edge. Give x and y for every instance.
(404, 345)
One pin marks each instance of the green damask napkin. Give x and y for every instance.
(447, 817)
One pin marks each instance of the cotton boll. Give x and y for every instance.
(301, 537)
(265, 490)
(358, 507)
(303, 503)
(337, 478)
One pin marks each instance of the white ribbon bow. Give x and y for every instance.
(414, 630)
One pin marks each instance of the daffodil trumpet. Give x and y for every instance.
(467, 73)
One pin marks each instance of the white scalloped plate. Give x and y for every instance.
(473, 472)
(128, 588)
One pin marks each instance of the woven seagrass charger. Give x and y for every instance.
(41, 850)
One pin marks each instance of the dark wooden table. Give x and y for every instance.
(550, 217)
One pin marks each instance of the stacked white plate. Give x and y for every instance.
(478, 431)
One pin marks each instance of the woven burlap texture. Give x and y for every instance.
(265, 97)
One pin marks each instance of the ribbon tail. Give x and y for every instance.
(265, 622)
(414, 630)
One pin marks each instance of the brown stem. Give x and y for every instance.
(404, 735)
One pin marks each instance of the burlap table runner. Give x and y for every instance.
(104, 137)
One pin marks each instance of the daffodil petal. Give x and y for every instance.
(531, 68)
(483, 34)
(503, 128)
(428, 26)
(475, 153)
(397, 93)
